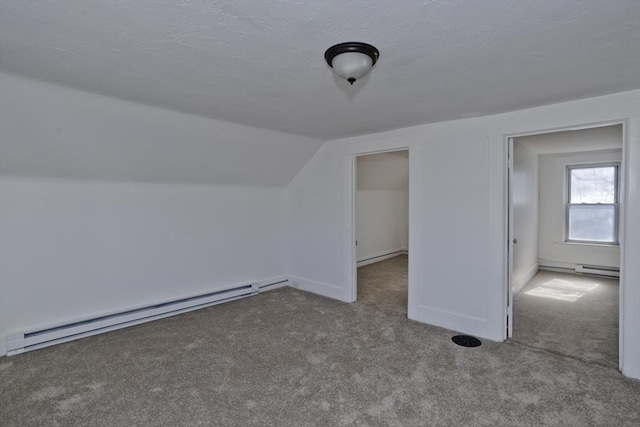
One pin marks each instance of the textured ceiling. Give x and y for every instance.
(261, 62)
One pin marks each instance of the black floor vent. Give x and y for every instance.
(466, 341)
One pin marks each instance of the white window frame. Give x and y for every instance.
(615, 204)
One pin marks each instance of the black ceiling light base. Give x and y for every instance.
(466, 341)
(359, 47)
(352, 67)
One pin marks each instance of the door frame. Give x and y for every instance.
(510, 237)
(408, 142)
(508, 174)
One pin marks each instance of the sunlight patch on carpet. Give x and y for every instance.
(562, 290)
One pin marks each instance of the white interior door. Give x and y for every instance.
(510, 238)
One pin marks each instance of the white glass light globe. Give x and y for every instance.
(352, 65)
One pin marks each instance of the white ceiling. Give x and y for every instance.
(261, 62)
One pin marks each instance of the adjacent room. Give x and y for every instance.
(382, 230)
(286, 213)
(566, 256)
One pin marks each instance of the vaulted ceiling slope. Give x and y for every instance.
(383, 171)
(50, 131)
(260, 63)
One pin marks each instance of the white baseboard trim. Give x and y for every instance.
(17, 342)
(453, 321)
(324, 289)
(525, 278)
(381, 256)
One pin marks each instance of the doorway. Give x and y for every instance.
(564, 244)
(399, 142)
(382, 230)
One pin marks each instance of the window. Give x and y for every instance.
(592, 208)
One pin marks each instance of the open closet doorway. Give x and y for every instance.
(382, 230)
(564, 242)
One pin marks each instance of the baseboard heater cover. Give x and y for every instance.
(589, 270)
(598, 270)
(32, 340)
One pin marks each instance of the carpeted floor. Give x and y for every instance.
(384, 285)
(290, 358)
(570, 315)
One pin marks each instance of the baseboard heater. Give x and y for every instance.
(598, 270)
(32, 340)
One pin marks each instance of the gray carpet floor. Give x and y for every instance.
(569, 314)
(383, 285)
(290, 358)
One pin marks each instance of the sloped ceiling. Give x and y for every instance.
(260, 63)
(49, 131)
(384, 171)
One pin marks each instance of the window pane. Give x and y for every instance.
(593, 185)
(592, 223)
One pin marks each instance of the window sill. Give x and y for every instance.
(604, 247)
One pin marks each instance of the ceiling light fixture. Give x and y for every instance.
(351, 60)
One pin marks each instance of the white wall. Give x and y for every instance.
(107, 205)
(75, 249)
(575, 140)
(382, 205)
(316, 224)
(554, 252)
(453, 221)
(525, 215)
(381, 223)
(462, 215)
